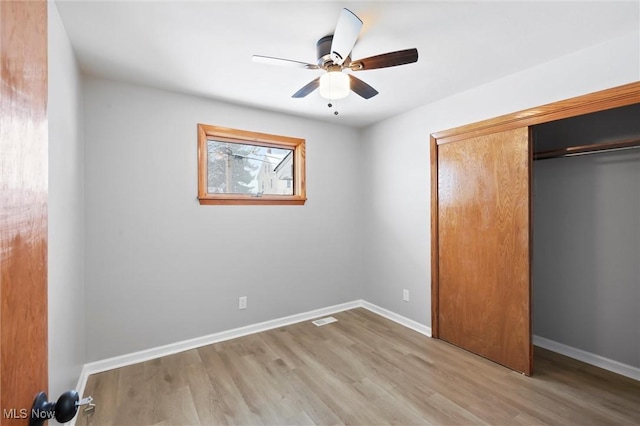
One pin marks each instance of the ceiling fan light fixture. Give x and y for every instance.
(334, 56)
(334, 85)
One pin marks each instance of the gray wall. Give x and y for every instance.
(586, 261)
(396, 248)
(160, 268)
(66, 213)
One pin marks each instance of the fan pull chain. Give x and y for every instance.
(335, 112)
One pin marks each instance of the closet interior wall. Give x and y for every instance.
(586, 236)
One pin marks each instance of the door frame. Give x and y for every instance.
(619, 96)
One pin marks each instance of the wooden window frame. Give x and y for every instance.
(207, 132)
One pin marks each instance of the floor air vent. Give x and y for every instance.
(324, 321)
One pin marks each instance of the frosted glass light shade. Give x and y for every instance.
(334, 85)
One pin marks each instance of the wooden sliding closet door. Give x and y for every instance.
(484, 246)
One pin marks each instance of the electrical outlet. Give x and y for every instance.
(242, 302)
(405, 295)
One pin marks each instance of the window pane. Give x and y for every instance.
(242, 167)
(236, 168)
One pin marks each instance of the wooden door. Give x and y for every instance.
(23, 207)
(484, 246)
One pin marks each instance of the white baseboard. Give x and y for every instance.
(82, 383)
(173, 348)
(185, 345)
(588, 357)
(82, 380)
(409, 323)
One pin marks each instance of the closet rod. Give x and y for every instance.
(588, 149)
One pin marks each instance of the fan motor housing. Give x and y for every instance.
(323, 49)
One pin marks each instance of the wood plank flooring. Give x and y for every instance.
(361, 370)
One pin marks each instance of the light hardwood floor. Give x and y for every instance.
(361, 370)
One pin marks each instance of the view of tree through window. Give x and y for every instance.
(241, 167)
(236, 168)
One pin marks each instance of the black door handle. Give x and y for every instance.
(63, 410)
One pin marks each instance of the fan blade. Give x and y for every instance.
(286, 62)
(362, 88)
(310, 87)
(345, 36)
(391, 59)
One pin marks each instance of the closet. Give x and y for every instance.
(586, 234)
(482, 222)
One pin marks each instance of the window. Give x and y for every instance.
(241, 167)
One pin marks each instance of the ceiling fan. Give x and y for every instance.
(334, 57)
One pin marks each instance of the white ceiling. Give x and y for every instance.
(204, 48)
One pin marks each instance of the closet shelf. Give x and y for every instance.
(588, 149)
